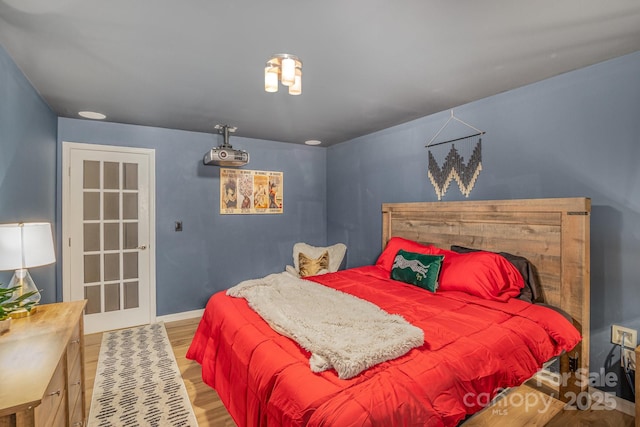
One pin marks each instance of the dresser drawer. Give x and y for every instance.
(73, 348)
(75, 382)
(61, 417)
(76, 419)
(54, 397)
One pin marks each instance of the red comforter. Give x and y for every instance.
(472, 347)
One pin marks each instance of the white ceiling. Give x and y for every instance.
(368, 64)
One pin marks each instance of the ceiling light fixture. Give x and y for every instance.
(286, 68)
(92, 115)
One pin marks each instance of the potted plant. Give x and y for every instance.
(8, 305)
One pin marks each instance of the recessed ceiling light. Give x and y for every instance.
(313, 142)
(92, 115)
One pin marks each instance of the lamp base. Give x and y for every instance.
(24, 283)
(23, 280)
(18, 314)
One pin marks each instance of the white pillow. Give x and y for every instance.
(336, 254)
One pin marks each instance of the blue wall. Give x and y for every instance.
(27, 162)
(216, 251)
(574, 135)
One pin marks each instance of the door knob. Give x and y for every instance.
(142, 247)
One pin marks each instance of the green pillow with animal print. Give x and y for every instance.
(417, 269)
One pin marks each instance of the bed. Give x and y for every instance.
(473, 347)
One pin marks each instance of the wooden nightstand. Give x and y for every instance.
(42, 365)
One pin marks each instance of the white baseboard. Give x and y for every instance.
(180, 316)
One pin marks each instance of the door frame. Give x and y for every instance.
(67, 147)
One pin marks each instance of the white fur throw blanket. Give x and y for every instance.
(340, 330)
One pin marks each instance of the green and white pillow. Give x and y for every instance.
(417, 269)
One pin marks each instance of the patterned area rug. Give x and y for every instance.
(138, 382)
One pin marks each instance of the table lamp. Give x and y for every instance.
(23, 246)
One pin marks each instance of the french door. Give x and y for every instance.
(109, 234)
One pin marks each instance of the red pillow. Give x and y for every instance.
(484, 274)
(385, 260)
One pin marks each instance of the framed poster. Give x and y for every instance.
(244, 191)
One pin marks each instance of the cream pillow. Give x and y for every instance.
(336, 254)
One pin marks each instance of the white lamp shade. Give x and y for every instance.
(296, 88)
(26, 245)
(288, 71)
(270, 79)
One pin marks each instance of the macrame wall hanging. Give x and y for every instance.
(447, 160)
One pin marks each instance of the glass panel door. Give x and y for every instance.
(109, 238)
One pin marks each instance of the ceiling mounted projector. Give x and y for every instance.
(226, 155)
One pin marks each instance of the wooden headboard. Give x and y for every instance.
(551, 233)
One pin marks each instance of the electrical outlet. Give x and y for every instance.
(631, 339)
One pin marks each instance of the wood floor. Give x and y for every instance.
(211, 413)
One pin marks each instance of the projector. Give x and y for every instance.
(225, 156)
